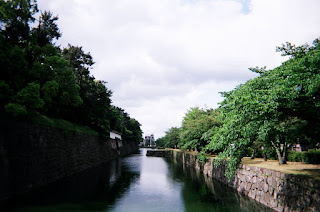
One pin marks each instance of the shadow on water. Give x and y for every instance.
(92, 190)
(206, 194)
(135, 183)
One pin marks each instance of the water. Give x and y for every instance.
(135, 183)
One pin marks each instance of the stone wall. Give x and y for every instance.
(156, 153)
(281, 192)
(33, 156)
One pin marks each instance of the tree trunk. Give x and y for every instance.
(264, 154)
(265, 158)
(277, 148)
(280, 156)
(253, 153)
(284, 153)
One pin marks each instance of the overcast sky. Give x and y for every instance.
(161, 57)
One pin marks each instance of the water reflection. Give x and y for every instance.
(153, 190)
(206, 194)
(135, 183)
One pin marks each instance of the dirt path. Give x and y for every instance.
(297, 168)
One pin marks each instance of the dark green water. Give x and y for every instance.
(135, 183)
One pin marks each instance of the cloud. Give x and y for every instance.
(161, 57)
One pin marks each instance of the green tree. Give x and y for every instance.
(274, 108)
(195, 123)
(93, 92)
(15, 16)
(47, 29)
(160, 142)
(171, 138)
(39, 77)
(28, 68)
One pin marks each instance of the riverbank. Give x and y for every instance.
(33, 156)
(277, 190)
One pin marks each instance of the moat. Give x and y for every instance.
(134, 183)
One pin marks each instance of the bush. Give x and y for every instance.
(295, 156)
(271, 153)
(312, 156)
(16, 110)
(202, 157)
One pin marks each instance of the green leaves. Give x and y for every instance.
(195, 123)
(50, 90)
(39, 77)
(273, 109)
(30, 97)
(16, 110)
(47, 29)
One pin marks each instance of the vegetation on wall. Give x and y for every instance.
(276, 109)
(41, 78)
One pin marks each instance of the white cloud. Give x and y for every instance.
(161, 57)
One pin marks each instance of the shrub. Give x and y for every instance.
(312, 156)
(295, 156)
(16, 110)
(202, 157)
(270, 152)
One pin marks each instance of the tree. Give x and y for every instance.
(80, 62)
(172, 137)
(27, 67)
(39, 77)
(278, 108)
(195, 123)
(160, 142)
(15, 16)
(133, 131)
(93, 92)
(47, 29)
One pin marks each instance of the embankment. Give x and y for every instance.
(279, 191)
(33, 156)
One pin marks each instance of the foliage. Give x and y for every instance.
(295, 156)
(160, 142)
(40, 78)
(270, 153)
(274, 110)
(309, 157)
(202, 157)
(43, 120)
(171, 139)
(198, 126)
(195, 123)
(16, 110)
(47, 29)
(278, 108)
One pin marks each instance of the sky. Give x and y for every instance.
(162, 57)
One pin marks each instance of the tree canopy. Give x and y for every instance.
(276, 109)
(39, 77)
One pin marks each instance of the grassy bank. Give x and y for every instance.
(43, 120)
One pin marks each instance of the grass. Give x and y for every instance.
(61, 124)
(295, 168)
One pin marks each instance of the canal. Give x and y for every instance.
(135, 183)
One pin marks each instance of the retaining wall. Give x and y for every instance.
(279, 191)
(33, 156)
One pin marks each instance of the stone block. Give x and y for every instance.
(248, 186)
(265, 188)
(254, 179)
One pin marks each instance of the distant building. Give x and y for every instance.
(149, 141)
(115, 135)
